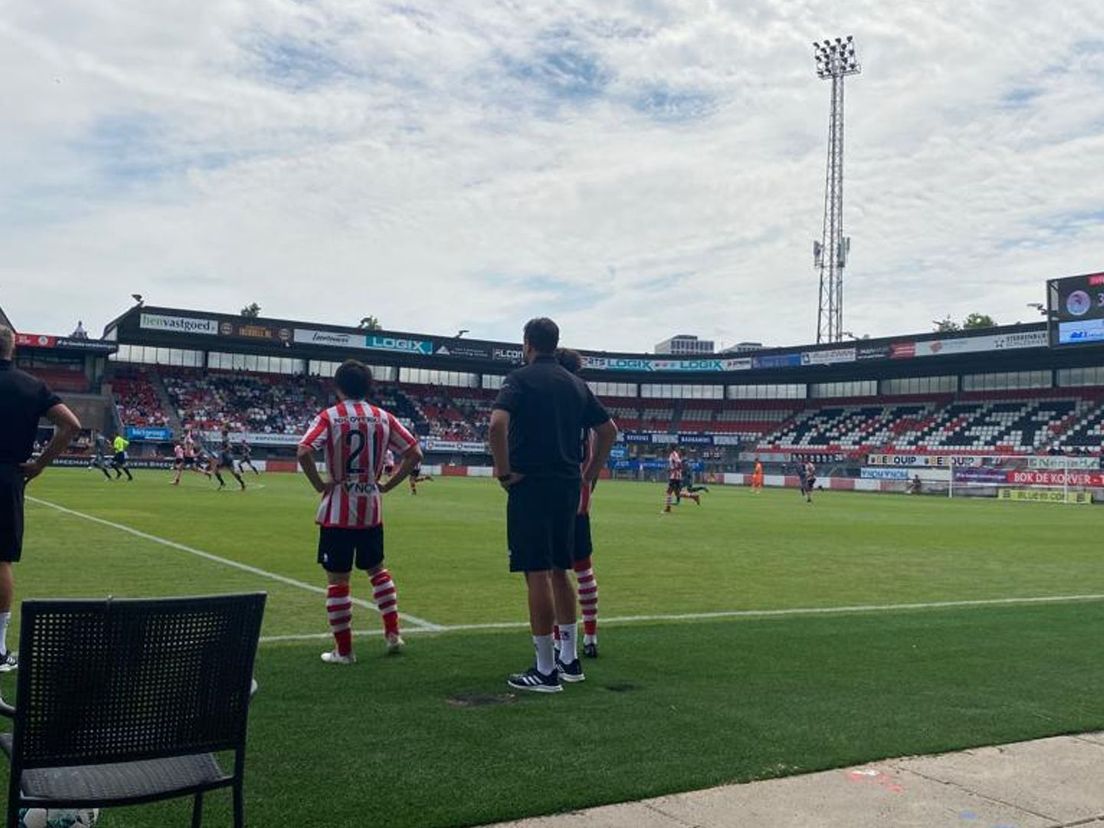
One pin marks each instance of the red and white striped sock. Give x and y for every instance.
(386, 598)
(667, 503)
(339, 609)
(588, 600)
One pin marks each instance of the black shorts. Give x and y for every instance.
(226, 460)
(178, 463)
(540, 523)
(339, 549)
(584, 548)
(11, 512)
(674, 485)
(120, 458)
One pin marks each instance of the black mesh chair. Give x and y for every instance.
(121, 702)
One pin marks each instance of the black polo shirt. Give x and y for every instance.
(550, 409)
(23, 400)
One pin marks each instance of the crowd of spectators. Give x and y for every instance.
(260, 403)
(137, 401)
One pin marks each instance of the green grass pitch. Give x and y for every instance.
(718, 694)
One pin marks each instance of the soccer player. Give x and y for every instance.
(178, 463)
(355, 435)
(417, 477)
(226, 461)
(193, 458)
(757, 477)
(119, 462)
(535, 433)
(674, 478)
(807, 472)
(23, 400)
(246, 451)
(99, 454)
(586, 582)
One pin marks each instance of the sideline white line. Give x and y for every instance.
(427, 626)
(749, 614)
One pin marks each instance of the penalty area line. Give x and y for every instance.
(420, 623)
(733, 614)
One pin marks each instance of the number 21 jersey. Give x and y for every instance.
(355, 437)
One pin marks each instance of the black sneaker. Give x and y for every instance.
(590, 650)
(570, 673)
(8, 662)
(535, 681)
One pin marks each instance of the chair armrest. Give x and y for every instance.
(254, 687)
(6, 709)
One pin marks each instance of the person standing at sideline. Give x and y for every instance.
(354, 435)
(586, 582)
(535, 438)
(23, 401)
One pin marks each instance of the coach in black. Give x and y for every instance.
(536, 437)
(23, 400)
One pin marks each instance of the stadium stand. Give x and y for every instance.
(970, 423)
(137, 400)
(268, 403)
(979, 422)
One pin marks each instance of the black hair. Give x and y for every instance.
(542, 334)
(354, 379)
(569, 359)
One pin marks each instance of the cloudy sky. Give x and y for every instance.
(633, 168)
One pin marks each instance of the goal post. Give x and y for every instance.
(1027, 479)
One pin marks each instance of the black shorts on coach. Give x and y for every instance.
(339, 549)
(11, 512)
(540, 523)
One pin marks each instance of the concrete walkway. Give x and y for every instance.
(1043, 784)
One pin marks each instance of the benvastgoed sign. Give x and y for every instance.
(178, 324)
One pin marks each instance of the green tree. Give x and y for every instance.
(251, 311)
(370, 323)
(946, 325)
(978, 320)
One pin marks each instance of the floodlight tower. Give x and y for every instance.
(834, 61)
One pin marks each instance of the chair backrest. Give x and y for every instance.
(124, 680)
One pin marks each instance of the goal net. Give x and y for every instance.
(1048, 479)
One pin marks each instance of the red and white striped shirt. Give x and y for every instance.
(674, 463)
(355, 437)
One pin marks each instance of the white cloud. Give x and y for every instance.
(632, 168)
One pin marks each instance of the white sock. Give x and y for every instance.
(546, 660)
(590, 639)
(568, 643)
(5, 617)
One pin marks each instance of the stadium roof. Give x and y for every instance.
(1005, 348)
(5, 321)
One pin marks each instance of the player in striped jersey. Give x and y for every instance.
(355, 437)
(584, 547)
(674, 478)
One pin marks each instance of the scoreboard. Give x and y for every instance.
(1076, 310)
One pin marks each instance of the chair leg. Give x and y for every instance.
(197, 811)
(239, 805)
